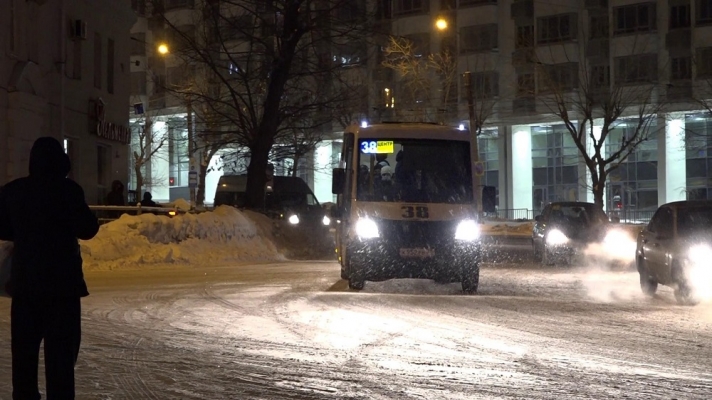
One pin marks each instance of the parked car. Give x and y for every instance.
(675, 250)
(564, 230)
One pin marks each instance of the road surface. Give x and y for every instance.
(294, 331)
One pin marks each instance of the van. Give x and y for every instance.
(286, 197)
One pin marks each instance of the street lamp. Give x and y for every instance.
(162, 49)
(441, 24)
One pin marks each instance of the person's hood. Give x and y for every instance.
(48, 159)
(117, 186)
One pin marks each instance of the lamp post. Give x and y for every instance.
(163, 49)
(441, 24)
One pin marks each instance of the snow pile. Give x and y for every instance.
(507, 228)
(222, 235)
(180, 204)
(295, 242)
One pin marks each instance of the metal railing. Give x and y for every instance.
(510, 214)
(110, 213)
(631, 216)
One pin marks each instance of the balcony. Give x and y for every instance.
(679, 91)
(596, 4)
(157, 101)
(522, 10)
(679, 39)
(524, 105)
(523, 59)
(598, 49)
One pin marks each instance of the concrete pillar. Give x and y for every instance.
(322, 172)
(160, 166)
(516, 167)
(672, 172)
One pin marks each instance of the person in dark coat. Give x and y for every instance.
(115, 198)
(116, 195)
(148, 200)
(43, 215)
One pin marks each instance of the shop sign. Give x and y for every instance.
(109, 130)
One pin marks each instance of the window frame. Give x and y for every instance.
(639, 62)
(483, 37)
(634, 13)
(545, 30)
(409, 7)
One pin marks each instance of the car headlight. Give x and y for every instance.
(619, 245)
(467, 230)
(700, 254)
(293, 219)
(556, 237)
(366, 228)
(616, 236)
(326, 220)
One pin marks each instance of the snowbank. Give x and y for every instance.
(294, 242)
(219, 236)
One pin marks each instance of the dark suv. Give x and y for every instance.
(675, 250)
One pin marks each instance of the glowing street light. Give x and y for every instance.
(163, 48)
(441, 24)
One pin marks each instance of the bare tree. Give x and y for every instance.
(272, 60)
(417, 70)
(211, 138)
(417, 73)
(592, 106)
(146, 146)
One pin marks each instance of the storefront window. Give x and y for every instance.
(488, 145)
(178, 155)
(633, 187)
(554, 166)
(698, 149)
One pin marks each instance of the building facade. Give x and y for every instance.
(69, 80)
(528, 153)
(162, 119)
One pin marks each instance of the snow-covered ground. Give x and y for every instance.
(292, 330)
(205, 306)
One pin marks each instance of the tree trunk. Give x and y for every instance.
(257, 173)
(599, 189)
(202, 173)
(139, 182)
(295, 166)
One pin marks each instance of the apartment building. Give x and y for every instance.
(69, 80)
(164, 116)
(506, 45)
(528, 153)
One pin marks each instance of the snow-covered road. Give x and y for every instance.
(294, 331)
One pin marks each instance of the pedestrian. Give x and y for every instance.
(116, 195)
(148, 200)
(115, 198)
(44, 215)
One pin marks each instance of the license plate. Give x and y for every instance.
(417, 252)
